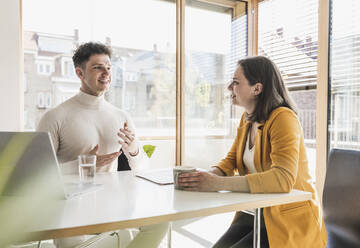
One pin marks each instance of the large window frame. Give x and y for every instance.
(12, 94)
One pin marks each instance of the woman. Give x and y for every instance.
(269, 155)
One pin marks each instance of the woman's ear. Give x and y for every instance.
(258, 87)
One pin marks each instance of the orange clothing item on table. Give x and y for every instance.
(281, 164)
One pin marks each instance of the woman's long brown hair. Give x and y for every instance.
(274, 94)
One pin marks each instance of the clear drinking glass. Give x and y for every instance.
(87, 168)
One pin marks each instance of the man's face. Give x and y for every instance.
(96, 75)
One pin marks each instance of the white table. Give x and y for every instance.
(127, 201)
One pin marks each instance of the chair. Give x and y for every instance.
(123, 163)
(341, 198)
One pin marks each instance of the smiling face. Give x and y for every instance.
(242, 93)
(95, 75)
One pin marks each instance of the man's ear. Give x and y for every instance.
(258, 87)
(79, 72)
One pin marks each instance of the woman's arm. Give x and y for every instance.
(228, 165)
(284, 139)
(211, 181)
(217, 171)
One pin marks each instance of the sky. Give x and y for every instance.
(131, 23)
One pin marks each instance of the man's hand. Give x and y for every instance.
(105, 159)
(200, 181)
(127, 140)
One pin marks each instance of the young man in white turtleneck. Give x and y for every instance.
(88, 124)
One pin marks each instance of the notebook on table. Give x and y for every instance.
(159, 176)
(29, 167)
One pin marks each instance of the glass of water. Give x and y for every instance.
(87, 168)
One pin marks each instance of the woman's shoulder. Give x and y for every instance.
(283, 112)
(284, 119)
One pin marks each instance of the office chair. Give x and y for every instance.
(341, 198)
(123, 163)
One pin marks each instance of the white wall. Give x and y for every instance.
(11, 67)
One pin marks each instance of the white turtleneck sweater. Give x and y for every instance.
(79, 124)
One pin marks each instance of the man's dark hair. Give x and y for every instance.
(274, 94)
(86, 50)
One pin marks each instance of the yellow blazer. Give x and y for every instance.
(281, 164)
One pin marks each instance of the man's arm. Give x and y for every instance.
(49, 123)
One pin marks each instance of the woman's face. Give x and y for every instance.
(242, 93)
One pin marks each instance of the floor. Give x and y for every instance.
(198, 233)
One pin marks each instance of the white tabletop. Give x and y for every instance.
(127, 201)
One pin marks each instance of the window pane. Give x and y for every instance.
(344, 126)
(142, 34)
(288, 35)
(214, 43)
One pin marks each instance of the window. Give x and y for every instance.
(210, 60)
(344, 59)
(287, 34)
(41, 100)
(40, 68)
(68, 69)
(141, 58)
(47, 100)
(44, 67)
(144, 64)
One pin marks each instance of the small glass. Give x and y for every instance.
(87, 168)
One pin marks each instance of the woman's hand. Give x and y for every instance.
(200, 181)
(127, 140)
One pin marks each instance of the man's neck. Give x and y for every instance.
(89, 92)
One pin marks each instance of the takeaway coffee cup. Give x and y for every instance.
(178, 170)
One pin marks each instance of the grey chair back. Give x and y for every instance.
(341, 198)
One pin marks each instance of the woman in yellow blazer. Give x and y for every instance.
(269, 155)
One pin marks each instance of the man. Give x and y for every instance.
(88, 124)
